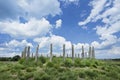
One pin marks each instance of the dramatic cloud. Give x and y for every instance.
(98, 6)
(58, 41)
(67, 2)
(58, 23)
(13, 48)
(30, 29)
(10, 9)
(40, 8)
(13, 9)
(15, 43)
(109, 14)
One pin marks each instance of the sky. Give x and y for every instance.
(78, 22)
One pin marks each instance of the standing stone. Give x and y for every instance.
(22, 54)
(90, 52)
(82, 54)
(50, 52)
(36, 55)
(25, 52)
(72, 52)
(64, 52)
(67, 56)
(28, 52)
(32, 55)
(75, 55)
(78, 55)
(93, 52)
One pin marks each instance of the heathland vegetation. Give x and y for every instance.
(59, 69)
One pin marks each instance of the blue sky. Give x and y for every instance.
(79, 22)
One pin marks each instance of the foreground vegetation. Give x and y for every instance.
(79, 69)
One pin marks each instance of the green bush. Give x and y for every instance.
(30, 69)
(77, 62)
(42, 59)
(68, 63)
(45, 77)
(49, 64)
(15, 58)
(82, 74)
(21, 61)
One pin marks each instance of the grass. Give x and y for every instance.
(79, 69)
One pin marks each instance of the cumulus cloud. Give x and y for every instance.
(30, 29)
(10, 9)
(98, 6)
(58, 23)
(15, 43)
(13, 48)
(67, 2)
(13, 9)
(109, 14)
(58, 41)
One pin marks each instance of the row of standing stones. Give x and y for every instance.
(26, 53)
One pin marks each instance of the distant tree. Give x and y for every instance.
(15, 58)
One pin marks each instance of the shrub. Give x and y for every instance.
(77, 62)
(91, 74)
(30, 69)
(68, 63)
(42, 59)
(82, 74)
(49, 64)
(15, 58)
(21, 61)
(45, 77)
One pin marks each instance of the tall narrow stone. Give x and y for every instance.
(82, 54)
(36, 55)
(78, 55)
(72, 52)
(90, 52)
(93, 52)
(25, 52)
(32, 55)
(64, 52)
(67, 56)
(22, 54)
(28, 52)
(50, 52)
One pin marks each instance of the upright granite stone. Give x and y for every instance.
(82, 54)
(28, 52)
(51, 53)
(36, 55)
(64, 52)
(90, 52)
(93, 52)
(72, 52)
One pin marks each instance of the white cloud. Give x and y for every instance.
(58, 23)
(40, 8)
(109, 13)
(98, 6)
(15, 43)
(114, 50)
(30, 29)
(13, 9)
(67, 2)
(13, 48)
(58, 41)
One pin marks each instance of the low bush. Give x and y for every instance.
(49, 64)
(68, 63)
